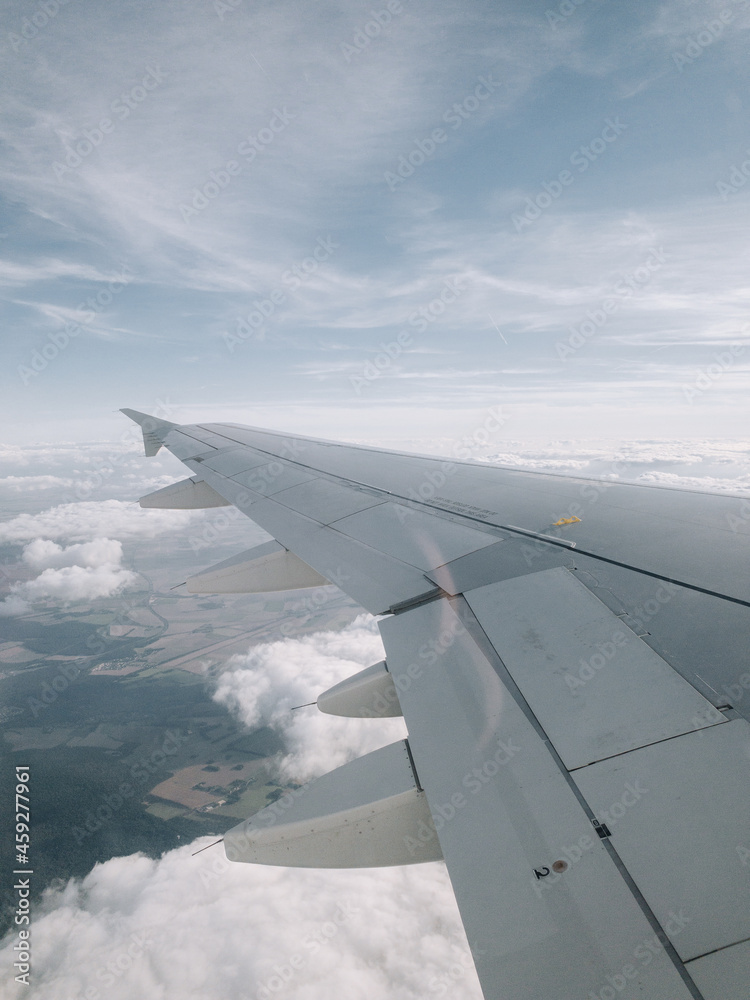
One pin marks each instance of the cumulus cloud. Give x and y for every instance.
(76, 522)
(78, 583)
(23, 484)
(202, 927)
(80, 572)
(43, 553)
(263, 685)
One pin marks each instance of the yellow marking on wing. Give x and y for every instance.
(566, 520)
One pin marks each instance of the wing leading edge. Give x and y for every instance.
(578, 759)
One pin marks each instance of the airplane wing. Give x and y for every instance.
(571, 660)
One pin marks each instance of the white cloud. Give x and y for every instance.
(13, 606)
(80, 572)
(43, 553)
(78, 583)
(204, 927)
(101, 518)
(201, 927)
(263, 686)
(23, 484)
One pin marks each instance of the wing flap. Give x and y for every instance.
(546, 909)
(723, 975)
(358, 816)
(188, 494)
(263, 569)
(679, 813)
(596, 688)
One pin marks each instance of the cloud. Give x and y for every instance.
(78, 583)
(81, 572)
(22, 484)
(203, 927)
(263, 685)
(13, 606)
(100, 518)
(43, 553)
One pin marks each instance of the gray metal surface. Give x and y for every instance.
(374, 579)
(595, 687)
(419, 538)
(505, 815)
(273, 477)
(358, 816)
(325, 501)
(231, 461)
(680, 838)
(188, 494)
(671, 565)
(725, 974)
(263, 569)
(684, 535)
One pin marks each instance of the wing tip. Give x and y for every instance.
(155, 430)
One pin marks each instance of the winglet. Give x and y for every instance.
(154, 430)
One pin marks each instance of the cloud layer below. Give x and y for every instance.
(264, 685)
(202, 927)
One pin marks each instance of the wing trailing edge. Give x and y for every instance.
(367, 814)
(261, 570)
(188, 494)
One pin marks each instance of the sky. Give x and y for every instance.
(376, 222)
(517, 224)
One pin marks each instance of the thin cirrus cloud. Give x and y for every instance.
(336, 122)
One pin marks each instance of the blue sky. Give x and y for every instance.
(533, 206)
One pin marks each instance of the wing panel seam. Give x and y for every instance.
(476, 631)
